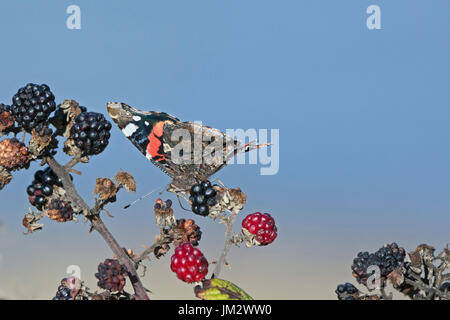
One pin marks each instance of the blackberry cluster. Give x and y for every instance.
(6, 117)
(346, 291)
(42, 187)
(60, 211)
(111, 275)
(91, 132)
(202, 196)
(63, 293)
(32, 105)
(387, 258)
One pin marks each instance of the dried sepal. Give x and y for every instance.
(126, 180)
(38, 143)
(65, 117)
(30, 222)
(232, 200)
(105, 188)
(72, 150)
(5, 177)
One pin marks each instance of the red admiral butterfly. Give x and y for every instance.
(153, 134)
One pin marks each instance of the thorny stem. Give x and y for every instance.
(227, 245)
(99, 226)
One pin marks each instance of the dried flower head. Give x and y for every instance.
(124, 179)
(105, 188)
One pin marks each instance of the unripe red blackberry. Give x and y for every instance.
(91, 132)
(32, 105)
(111, 275)
(261, 226)
(202, 196)
(6, 118)
(60, 211)
(189, 263)
(13, 154)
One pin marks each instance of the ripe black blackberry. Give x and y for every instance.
(91, 132)
(32, 105)
(63, 293)
(202, 196)
(346, 291)
(111, 275)
(387, 258)
(42, 187)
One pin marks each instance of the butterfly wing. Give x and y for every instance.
(188, 152)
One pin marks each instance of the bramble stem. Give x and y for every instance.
(94, 216)
(227, 244)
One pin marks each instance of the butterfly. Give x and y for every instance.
(158, 136)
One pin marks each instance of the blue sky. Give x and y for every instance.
(363, 116)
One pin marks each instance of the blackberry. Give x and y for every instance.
(111, 275)
(6, 118)
(13, 154)
(32, 105)
(60, 211)
(189, 263)
(42, 187)
(91, 132)
(387, 258)
(187, 231)
(202, 196)
(346, 291)
(63, 293)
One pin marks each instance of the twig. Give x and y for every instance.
(99, 226)
(162, 239)
(227, 245)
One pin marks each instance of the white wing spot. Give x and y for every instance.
(136, 118)
(129, 129)
(146, 123)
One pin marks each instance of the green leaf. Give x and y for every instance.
(218, 289)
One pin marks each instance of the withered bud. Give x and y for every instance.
(164, 213)
(105, 188)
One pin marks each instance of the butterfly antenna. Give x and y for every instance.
(181, 205)
(140, 198)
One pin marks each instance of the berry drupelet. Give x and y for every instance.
(91, 132)
(189, 263)
(202, 196)
(111, 275)
(32, 105)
